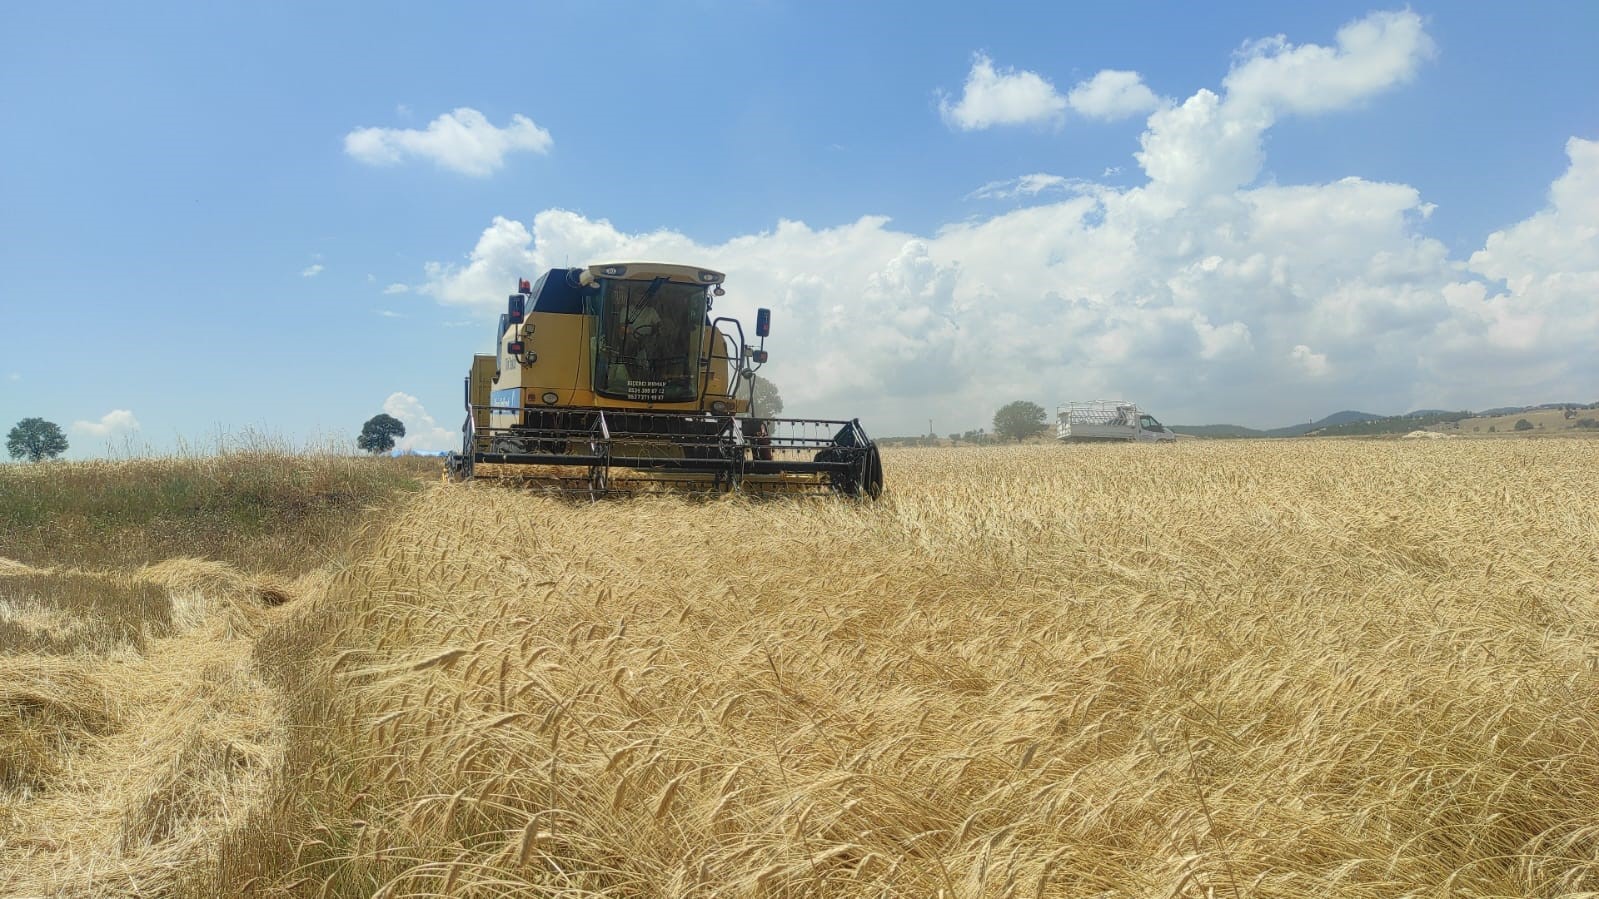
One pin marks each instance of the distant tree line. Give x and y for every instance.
(1398, 424)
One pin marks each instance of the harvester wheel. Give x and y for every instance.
(458, 467)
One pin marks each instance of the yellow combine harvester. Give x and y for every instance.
(615, 378)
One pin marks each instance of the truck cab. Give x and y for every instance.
(1150, 430)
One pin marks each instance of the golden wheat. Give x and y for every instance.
(1253, 669)
(1301, 668)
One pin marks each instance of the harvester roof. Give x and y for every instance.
(561, 289)
(557, 290)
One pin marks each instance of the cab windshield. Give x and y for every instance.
(649, 340)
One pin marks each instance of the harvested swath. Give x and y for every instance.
(48, 706)
(1296, 669)
(10, 567)
(63, 611)
(154, 759)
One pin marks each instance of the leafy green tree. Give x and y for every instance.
(35, 439)
(377, 435)
(1018, 420)
(768, 402)
(1523, 425)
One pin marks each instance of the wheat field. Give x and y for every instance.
(1291, 668)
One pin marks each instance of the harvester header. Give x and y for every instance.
(616, 377)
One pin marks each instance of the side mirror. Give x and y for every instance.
(759, 356)
(517, 308)
(763, 322)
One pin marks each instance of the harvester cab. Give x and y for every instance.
(617, 378)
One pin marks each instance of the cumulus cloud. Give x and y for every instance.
(1533, 320)
(117, 421)
(462, 141)
(1194, 292)
(397, 288)
(1212, 143)
(422, 433)
(1112, 94)
(994, 96)
(1002, 97)
(1373, 54)
(1313, 363)
(311, 271)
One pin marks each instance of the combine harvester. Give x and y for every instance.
(616, 379)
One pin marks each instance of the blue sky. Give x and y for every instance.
(944, 203)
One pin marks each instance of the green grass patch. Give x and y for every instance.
(261, 511)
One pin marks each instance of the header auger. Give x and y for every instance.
(615, 379)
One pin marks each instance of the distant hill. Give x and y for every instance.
(1346, 417)
(1392, 424)
(1350, 423)
(1217, 432)
(1232, 431)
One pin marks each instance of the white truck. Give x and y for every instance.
(1108, 420)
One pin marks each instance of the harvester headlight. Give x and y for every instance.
(719, 407)
(550, 397)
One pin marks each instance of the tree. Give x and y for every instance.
(1018, 420)
(768, 402)
(1523, 425)
(35, 439)
(377, 435)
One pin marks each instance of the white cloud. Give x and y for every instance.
(117, 421)
(1025, 186)
(390, 313)
(14, 376)
(311, 271)
(1002, 97)
(1373, 54)
(1535, 323)
(502, 255)
(397, 288)
(1192, 292)
(462, 140)
(1112, 94)
(1211, 143)
(422, 433)
(1314, 364)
